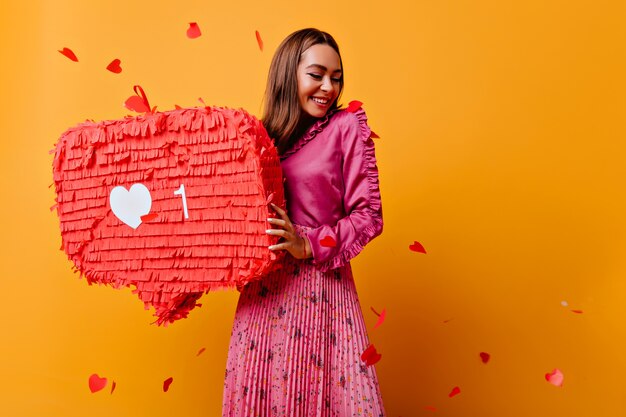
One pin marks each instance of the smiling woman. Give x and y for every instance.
(299, 334)
(319, 79)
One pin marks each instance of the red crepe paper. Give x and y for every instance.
(113, 385)
(353, 106)
(194, 31)
(328, 242)
(484, 356)
(417, 247)
(555, 377)
(114, 66)
(167, 383)
(374, 135)
(96, 383)
(455, 391)
(370, 356)
(578, 312)
(68, 53)
(228, 166)
(200, 351)
(259, 40)
(139, 102)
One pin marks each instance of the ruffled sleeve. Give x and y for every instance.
(333, 246)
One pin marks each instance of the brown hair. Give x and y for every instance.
(282, 110)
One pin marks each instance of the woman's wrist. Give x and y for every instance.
(307, 248)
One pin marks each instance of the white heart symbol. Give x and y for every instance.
(130, 205)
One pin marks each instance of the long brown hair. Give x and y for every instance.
(282, 111)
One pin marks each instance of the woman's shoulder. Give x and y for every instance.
(352, 122)
(349, 116)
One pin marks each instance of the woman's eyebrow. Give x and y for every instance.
(323, 68)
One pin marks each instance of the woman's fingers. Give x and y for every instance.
(280, 246)
(277, 222)
(282, 213)
(277, 232)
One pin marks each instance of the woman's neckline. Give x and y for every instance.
(317, 126)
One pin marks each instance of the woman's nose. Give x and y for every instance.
(327, 84)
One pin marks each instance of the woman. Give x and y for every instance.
(298, 333)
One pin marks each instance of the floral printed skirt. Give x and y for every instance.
(295, 347)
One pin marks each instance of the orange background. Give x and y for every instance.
(502, 151)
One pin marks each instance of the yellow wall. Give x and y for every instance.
(502, 151)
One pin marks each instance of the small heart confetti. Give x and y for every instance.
(194, 31)
(114, 66)
(484, 356)
(578, 311)
(353, 106)
(136, 104)
(374, 135)
(200, 351)
(370, 356)
(139, 102)
(564, 303)
(259, 40)
(113, 385)
(167, 383)
(381, 316)
(417, 247)
(96, 383)
(68, 53)
(148, 217)
(555, 377)
(455, 391)
(328, 242)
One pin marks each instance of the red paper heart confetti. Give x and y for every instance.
(68, 53)
(484, 356)
(146, 218)
(374, 135)
(381, 317)
(370, 356)
(114, 66)
(417, 247)
(328, 242)
(113, 385)
(139, 102)
(455, 391)
(200, 351)
(259, 40)
(167, 383)
(578, 311)
(96, 383)
(194, 31)
(555, 377)
(353, 106)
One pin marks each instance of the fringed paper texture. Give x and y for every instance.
(230, 171)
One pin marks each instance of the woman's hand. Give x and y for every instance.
(297, 246)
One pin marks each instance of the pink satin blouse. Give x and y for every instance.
(331, 187)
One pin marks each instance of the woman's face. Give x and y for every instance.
(319, 75)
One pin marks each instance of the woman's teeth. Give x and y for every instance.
(319, 101)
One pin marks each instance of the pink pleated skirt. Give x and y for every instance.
(295, 348)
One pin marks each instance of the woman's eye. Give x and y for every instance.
(316, 76)
(336, 80)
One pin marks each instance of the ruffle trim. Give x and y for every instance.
(373, 209)
(316, 128)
